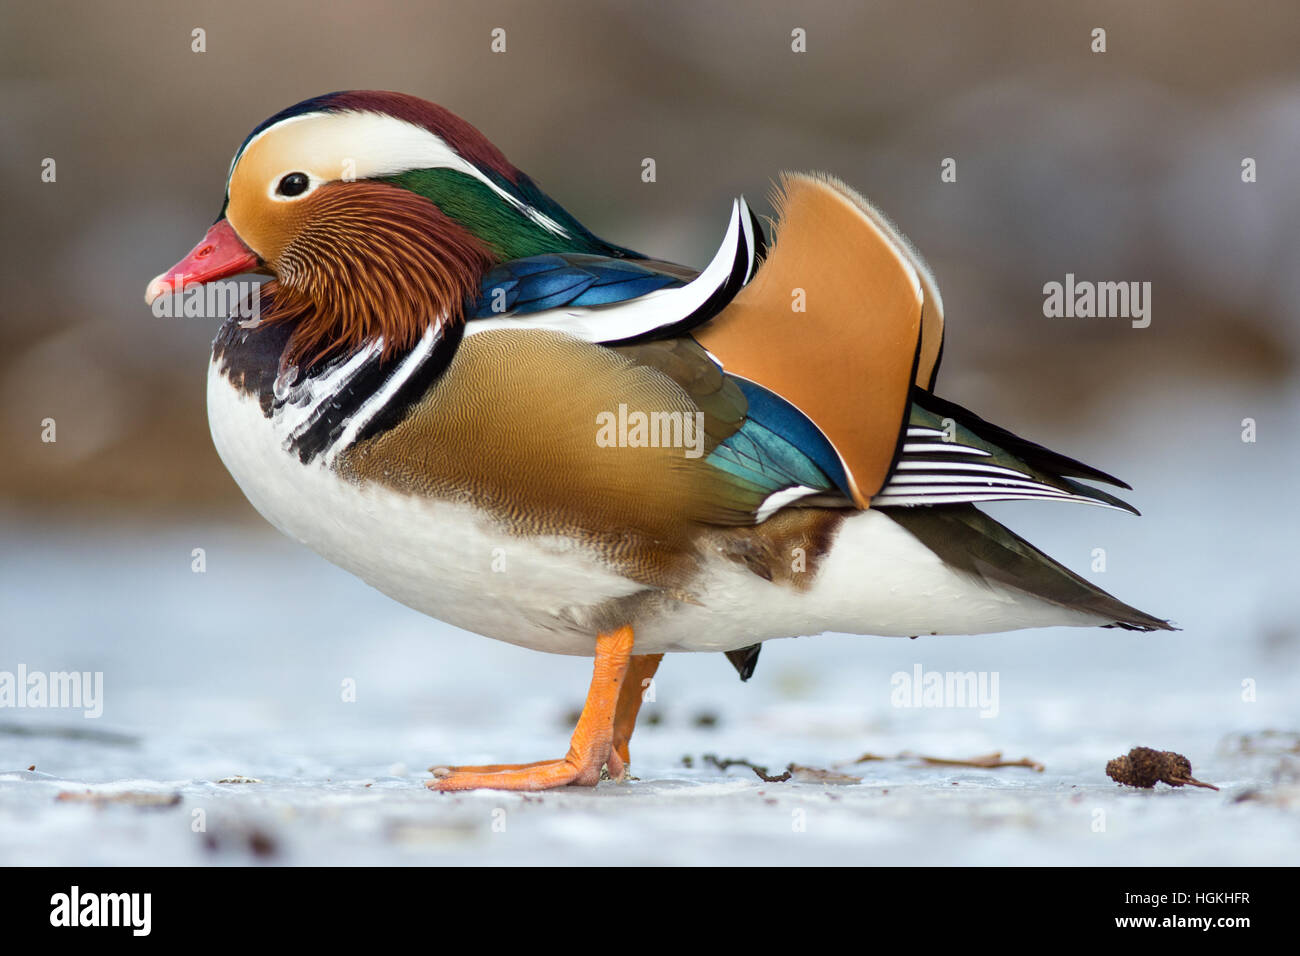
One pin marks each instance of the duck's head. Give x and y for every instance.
(378, 214)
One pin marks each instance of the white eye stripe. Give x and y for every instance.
(243, 150)
(368, 145)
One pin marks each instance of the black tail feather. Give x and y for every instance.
(1029, 452)
(969, 540)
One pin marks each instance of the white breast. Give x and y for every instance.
(441, 558)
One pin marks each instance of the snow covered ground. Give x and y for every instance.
(243, 670)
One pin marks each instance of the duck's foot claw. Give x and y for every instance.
(536, 776)
(592, 752)
(441, 770)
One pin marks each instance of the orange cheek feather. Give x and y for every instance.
(363, 261)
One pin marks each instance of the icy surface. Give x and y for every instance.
(240, 671)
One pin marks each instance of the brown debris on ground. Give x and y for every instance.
(818, 775)
(132, 798)
(983, 762)
(722, 764)
(253, 839)
(793, 771)
(1144, 767)
(805, 774)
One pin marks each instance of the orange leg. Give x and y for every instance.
(592, 745)
(640, 671)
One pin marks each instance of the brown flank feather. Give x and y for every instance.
(370, 261)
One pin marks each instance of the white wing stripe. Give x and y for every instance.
(949, 499)
(635, 317)
(999, 482)
(958, 466)
(779, 499)
(948, 447)
(373, 405)
(916, 490)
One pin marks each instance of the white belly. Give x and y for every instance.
(441, 558)
(451, 562)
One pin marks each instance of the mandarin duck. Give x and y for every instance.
(457, 392)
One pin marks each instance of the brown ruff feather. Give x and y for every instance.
(372, 261)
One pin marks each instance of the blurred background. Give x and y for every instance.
(1117, 166)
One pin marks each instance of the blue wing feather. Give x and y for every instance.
(778, 447)
(602, 293)
(553, 280)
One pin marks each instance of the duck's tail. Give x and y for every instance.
(970, 541)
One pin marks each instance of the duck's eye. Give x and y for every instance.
(293, 184)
